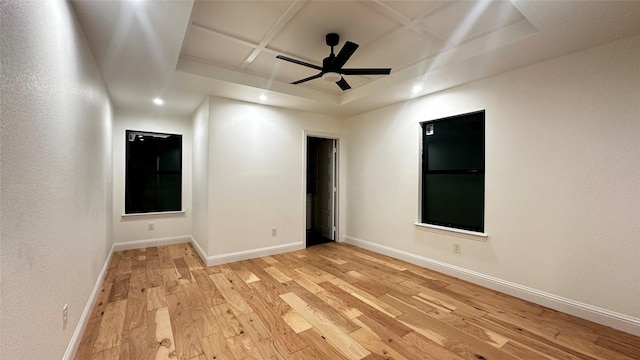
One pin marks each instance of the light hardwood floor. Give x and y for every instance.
(328, 302)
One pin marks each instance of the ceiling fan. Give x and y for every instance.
(331, 69)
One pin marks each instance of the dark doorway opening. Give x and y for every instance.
(321, 190)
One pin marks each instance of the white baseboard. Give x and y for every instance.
(72, 347)
(593, 313)
(139, 244)
(245, 254)
(199, 250)
(252, 253)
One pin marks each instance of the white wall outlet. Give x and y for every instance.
(65, 313)
(456, 248)
(274, 231)
(151, 226)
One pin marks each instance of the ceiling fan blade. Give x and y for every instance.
(371, 71)
(344, 85)
(345, 53)
(285, 58)
(307, 79)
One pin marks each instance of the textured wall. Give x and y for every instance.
(256, 177)
(55, 177)
(562, 176)
(129, 229)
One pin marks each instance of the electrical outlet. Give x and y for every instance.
(274, 231)
(65, 313)
(456, 248)
(151, 226)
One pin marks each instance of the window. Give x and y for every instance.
(453, 172)
(153, 181)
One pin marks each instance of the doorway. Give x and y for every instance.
(322, 190)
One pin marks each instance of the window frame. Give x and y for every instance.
(424, 171)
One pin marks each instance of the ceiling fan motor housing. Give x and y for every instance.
(326, 64)
(332, 39)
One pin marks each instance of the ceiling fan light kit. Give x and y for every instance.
(331, 77)
(331, 69)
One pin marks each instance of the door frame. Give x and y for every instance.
(338, 180)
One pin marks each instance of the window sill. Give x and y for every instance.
(471, 235)
(153, 215)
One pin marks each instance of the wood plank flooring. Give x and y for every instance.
(331, 301)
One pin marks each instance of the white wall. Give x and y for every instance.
(562, 177)
(200, 177)
(256, 174)
(55, 177)
(166, 227)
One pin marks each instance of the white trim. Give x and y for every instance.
(593, 313)
(72, 347)
(244, 254)
(471, 235)
(199, 250)
(153, 214)
(139, 244)
(253, 253)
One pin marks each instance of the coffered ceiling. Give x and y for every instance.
(246, 36)
(184, 50)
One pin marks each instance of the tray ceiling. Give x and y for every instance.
(185, 50)
(246, 36)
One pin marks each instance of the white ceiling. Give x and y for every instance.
(185, 50)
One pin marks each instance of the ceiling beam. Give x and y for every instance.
(275, 30)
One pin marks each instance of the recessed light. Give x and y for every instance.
(263, 98)
(416, 89)
(158, 101)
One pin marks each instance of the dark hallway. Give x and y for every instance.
(321, 191)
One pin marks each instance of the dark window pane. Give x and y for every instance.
(170, 192)
(455, 200)
(456, 144)
(153, 172)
